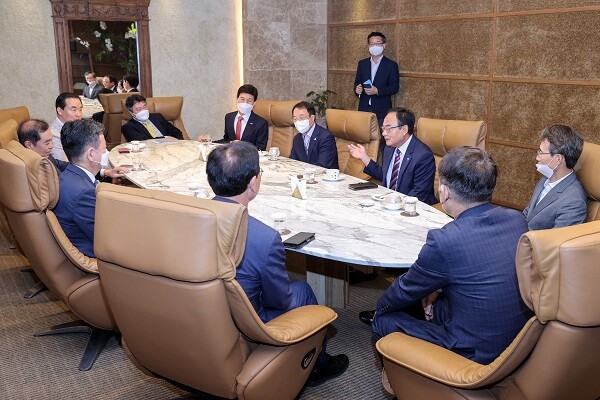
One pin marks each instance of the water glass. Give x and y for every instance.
(274, 153)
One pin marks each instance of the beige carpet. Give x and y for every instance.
(46, 367)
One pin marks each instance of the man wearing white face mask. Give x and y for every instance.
(83, 142)
(313, 144)
(92, 89)
(377, 79)
(558, 198)
(144, 125)
(243, 124)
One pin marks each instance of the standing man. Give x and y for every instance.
(377, 79)
(558, 198)
(234, 174)
(92, 89)
(465, 269)
(408, 164)
(110, 82)
(68, 108)
(144, 125)
(130, 83)
(83, 142)
(244, 124)
(313, 144)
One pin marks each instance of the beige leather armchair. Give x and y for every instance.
(554, 357)
(181, 312)
(169, 107)
(278, 114)
(113, 114)
(353, 127)
(28, 189)
(19, 114)
(442, 135)
(588, 168)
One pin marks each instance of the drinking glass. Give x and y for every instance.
(274, 153)
(279, 223)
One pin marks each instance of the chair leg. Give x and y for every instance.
(35, 290)
(98, 338)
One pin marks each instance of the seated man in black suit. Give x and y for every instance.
(130, 83)
(244, 124)
(144, 125)
(313, 144)
(110, 82)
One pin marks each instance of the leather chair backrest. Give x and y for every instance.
(8, 132)
(278, 114)
(588, 169)
(19, 114)
(113, 113)
(442, 135)
(169, 107)
(353, 127)
(28, 186)
(173, 286)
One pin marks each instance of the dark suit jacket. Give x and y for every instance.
(387, 82)
(256, 131)
(472, 259)
(59, 164)
(564, 205)
(322, 150)
(76, 208)
(134, 130)
(417, 171)
(94, 93)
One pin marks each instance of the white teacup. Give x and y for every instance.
(135, 146)
(393, 201)
(332, 174)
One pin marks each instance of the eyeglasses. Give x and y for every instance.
(385, 128)
(540, 152)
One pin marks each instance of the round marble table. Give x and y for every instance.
(344, 230)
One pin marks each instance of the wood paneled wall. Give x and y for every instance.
(520, 65)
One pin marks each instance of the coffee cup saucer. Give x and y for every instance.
(339, 178)
(393, 206)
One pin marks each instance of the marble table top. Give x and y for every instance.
(344, 230)
(90, 107)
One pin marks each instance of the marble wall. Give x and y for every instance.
(518, 65)
(193, 46)
(285, 47)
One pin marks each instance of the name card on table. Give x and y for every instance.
(298, 184)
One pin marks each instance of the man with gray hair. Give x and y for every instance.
(558, 198)
(466, 269)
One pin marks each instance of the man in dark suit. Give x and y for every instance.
(408, 164)
(377, 78)
(313, 144)
(244, 124)
(83, 142)
(92, 89)
(558, 198)
(465, 271)
(130, 83)
(110, 82)
(234, 174)
(144, 125)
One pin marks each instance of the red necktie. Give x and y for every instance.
(395, 170)
(238, 128)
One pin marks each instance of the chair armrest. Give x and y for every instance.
(298, 324)
(444, 366)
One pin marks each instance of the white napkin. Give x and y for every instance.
(298, 187)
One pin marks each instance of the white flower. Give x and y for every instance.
(85, 44)
(103, 25)
(97, 34)
(108, 44)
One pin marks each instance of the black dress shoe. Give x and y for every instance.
(355, 276)
(334, 367)
(366, 317)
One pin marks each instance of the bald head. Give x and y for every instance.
(35, 135)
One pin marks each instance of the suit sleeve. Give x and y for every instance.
(131, 133)
(170, 129)
(293, 154)
(393, 82)
(357, 79)
(375, 170)
(262, 134)
(424, 277)
(328, 156)
(424, 175)
(573, 212)
(85, 211)
(276, 287)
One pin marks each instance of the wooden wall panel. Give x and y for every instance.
(549, 46)
(518, 64)
(445, 47)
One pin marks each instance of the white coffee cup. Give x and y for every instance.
(410, 205)
(135, 146)
(332, 174)
(393, 201)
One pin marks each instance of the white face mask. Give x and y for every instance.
(103, 158)
(142, 115)
(545, 170)
(376, 50)
(302, 125)
(244, 108)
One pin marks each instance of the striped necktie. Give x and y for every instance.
(395, 169)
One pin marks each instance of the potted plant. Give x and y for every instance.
(319, 101)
